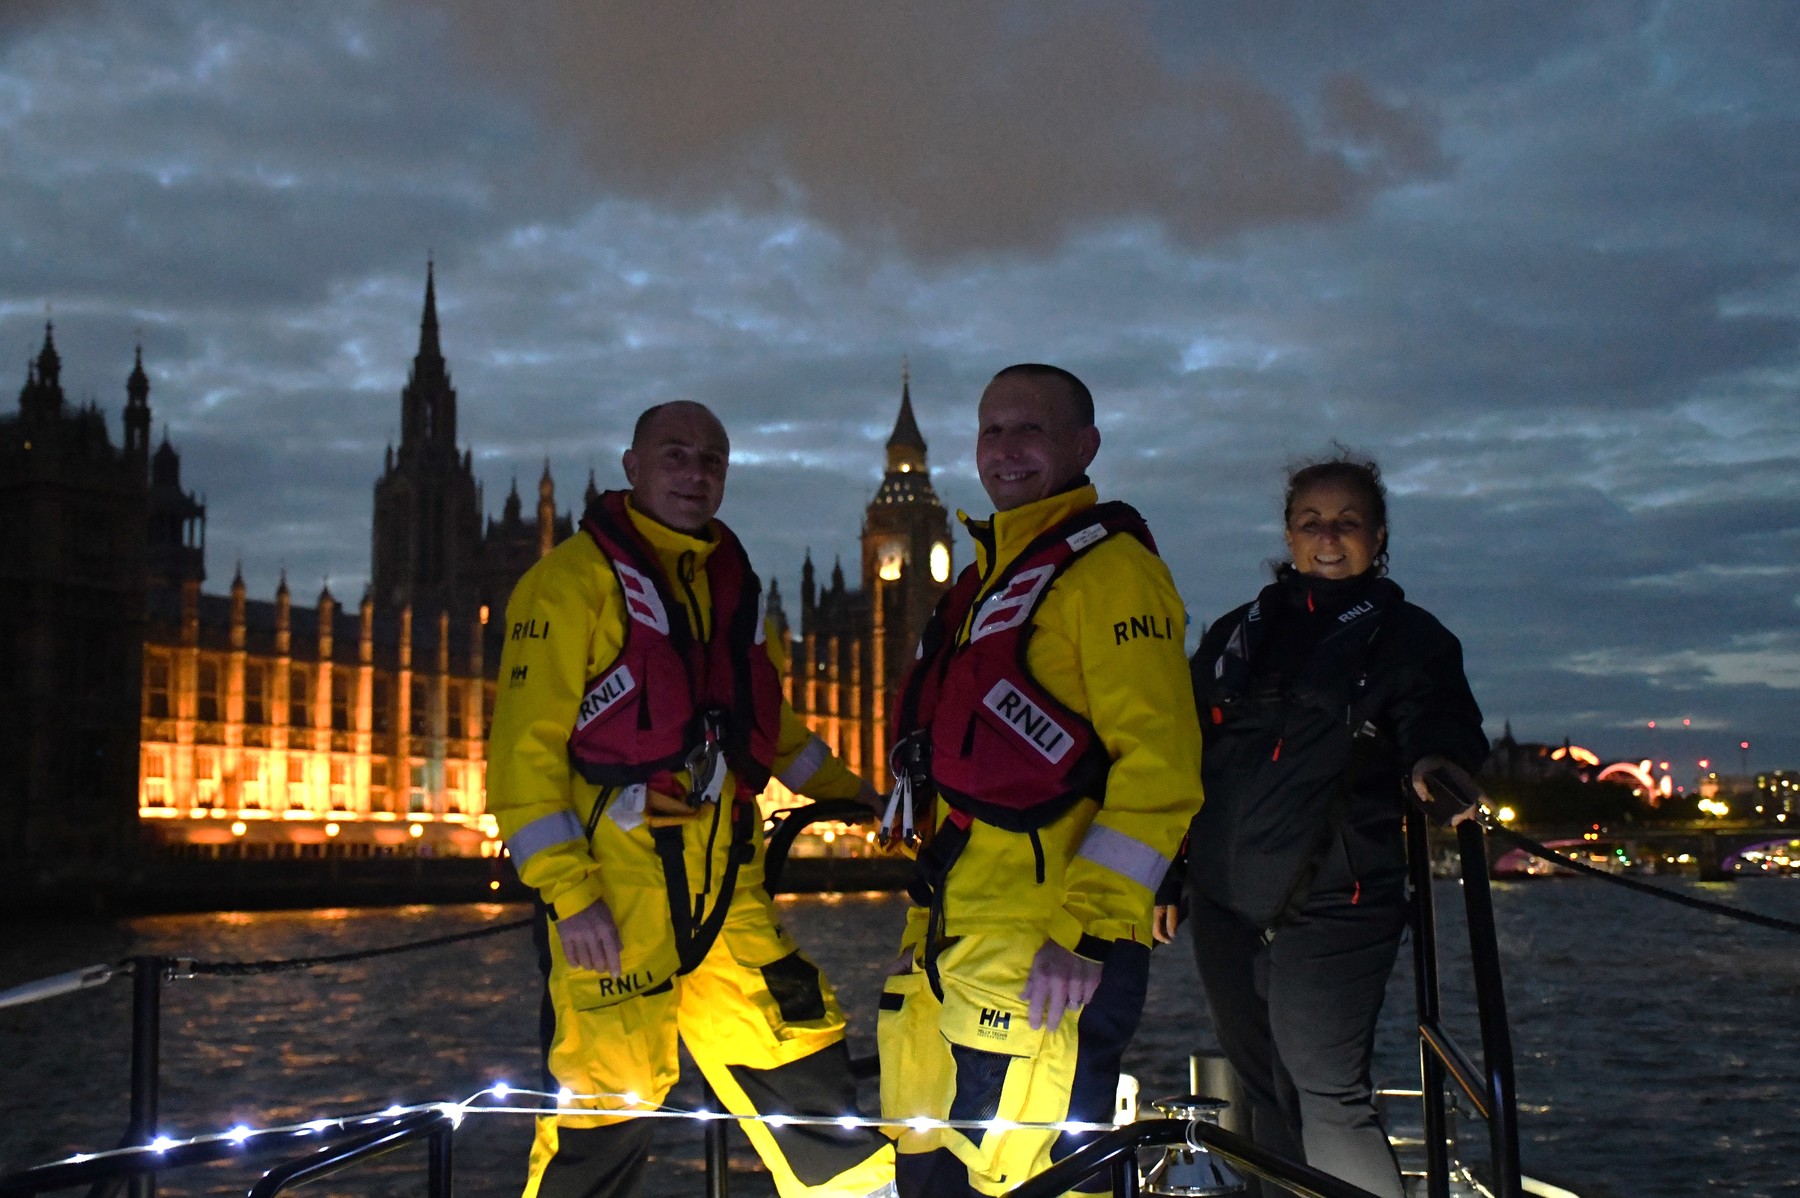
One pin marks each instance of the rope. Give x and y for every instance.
(1687, 900)
(246, 968)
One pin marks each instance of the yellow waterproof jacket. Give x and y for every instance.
(1107, 642)
(565, 624)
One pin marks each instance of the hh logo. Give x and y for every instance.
(1009, 608)
(1029, 721)
(996, 1019)
(641, 600)
(517, 678)
(604, 695)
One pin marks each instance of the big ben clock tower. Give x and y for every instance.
(906, 548)
(855, 645)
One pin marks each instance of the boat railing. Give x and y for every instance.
(1117, 1151)
(1488, 1085)
(142, 1155)
(329, 1146)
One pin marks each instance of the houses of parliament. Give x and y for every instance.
(155, 717)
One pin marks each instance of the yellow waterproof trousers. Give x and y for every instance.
(972, 1055)
(756, 1015)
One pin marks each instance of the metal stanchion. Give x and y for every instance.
(718, 1157)
(1210, 1073)
(146, 1060)
(440, 1148)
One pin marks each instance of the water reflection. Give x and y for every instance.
(1654, 1043)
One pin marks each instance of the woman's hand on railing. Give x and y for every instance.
(1446, 791)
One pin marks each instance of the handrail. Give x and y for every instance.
(1490, 1006)
(435, 1127)
(789, 823)
(252, 1147)
(1121, 1144)
(1434, 1118)
(1491, 1087)
(1464, 1072)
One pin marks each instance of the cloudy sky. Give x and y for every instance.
(1541, 259)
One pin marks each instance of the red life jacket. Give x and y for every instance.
(668, 693)
(985, 734)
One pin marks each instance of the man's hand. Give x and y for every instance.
(1059, 980)
(590, 938)
(1460, 781)
(871, 798)
(1164, 922)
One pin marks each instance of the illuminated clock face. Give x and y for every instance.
(940, 562)
(888, 561)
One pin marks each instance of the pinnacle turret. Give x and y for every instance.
(49, 362)
(429, 349)
(42, 397)
(906, 447)
(137, 410)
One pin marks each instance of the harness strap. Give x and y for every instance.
(932, 877)
(696, 928)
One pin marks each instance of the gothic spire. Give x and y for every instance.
(49, 362)
(42, 396)
(429, 349)
(137, 384)
(137, 409)
(906, 445)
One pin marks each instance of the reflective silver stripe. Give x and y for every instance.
(545, 832)
(800, 771)
(1123, 855)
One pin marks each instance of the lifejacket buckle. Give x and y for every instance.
(911, 777)
(706, 776)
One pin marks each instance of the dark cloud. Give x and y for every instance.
(1539, 260)
(951, 127)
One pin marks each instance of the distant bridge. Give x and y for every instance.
(1715, 846)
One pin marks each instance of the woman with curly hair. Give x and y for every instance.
(1321, 703)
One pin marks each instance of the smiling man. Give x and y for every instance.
(641, 716)
(1050, 720)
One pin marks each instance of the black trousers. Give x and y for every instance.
(1296, 1018)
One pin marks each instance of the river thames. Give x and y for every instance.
(1658, 1048)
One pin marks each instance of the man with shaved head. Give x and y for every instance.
(1048, 728)
(639, 716)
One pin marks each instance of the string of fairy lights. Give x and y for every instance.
(501, 1099)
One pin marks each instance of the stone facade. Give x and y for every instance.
(225, 726)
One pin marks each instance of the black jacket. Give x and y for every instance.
(1290, 689)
